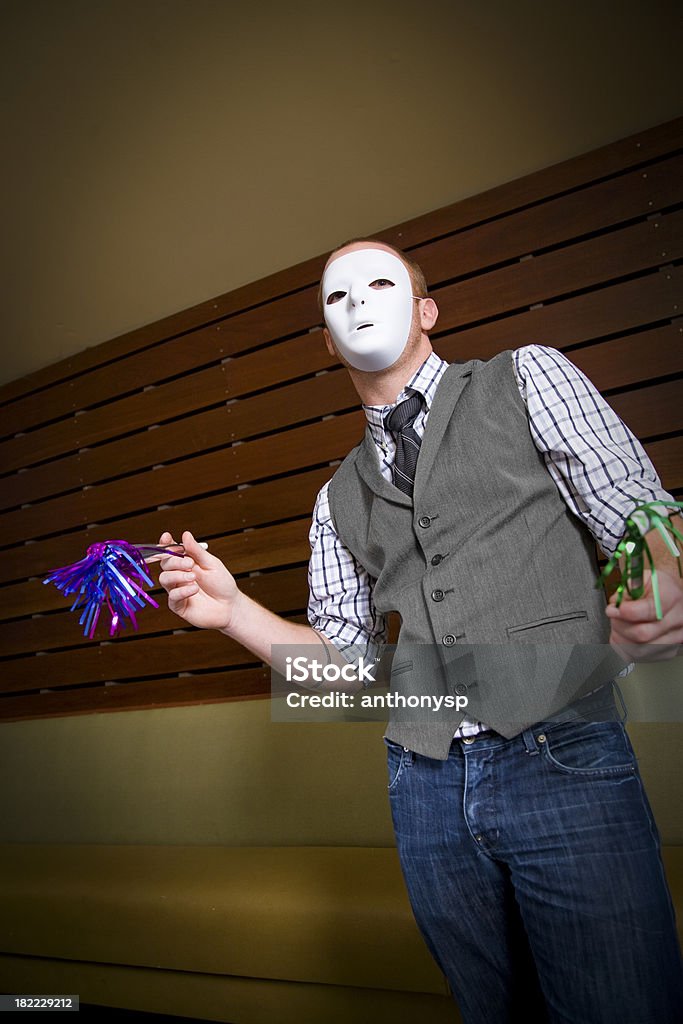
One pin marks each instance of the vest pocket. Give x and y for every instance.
(550, 620)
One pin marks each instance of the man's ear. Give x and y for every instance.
(429, 314)
(329, 343)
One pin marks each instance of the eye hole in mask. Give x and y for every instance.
(380, 283)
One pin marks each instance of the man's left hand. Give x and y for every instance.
(637, 634)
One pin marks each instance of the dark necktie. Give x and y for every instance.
(400, 422)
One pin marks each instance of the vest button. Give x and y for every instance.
(436, 559)
(437, 595)
(448, 640)
(424, 522)
(460, 689)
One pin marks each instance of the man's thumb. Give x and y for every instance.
(195, 550)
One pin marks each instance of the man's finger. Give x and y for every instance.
(178, 595)
(198, 552)
(665, 631)
(640, 610)
(176, 563)
(166, 540)
(175, 579)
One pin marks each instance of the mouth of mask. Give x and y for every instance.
(368, 307)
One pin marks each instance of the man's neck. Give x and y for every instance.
(384, 386)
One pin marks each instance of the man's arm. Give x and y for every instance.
(602, 472)
(203, 592)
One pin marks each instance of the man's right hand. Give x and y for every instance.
(203, 592)
(200, 588)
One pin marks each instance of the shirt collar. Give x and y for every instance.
(425, 380)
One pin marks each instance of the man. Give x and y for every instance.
(526, 841)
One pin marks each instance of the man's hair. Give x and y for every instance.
(417, 278)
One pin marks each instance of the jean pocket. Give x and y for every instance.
(588, 749)
(397, 759)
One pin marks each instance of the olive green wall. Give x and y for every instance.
(220, 773)
(161, 152)
(226, 774)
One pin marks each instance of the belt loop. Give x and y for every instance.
(530, 744)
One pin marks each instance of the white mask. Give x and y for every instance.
(369, 322)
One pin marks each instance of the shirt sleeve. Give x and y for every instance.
(340, 604)
(599, 466)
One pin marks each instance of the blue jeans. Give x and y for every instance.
(534, 873)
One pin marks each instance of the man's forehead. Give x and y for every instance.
(365, 247)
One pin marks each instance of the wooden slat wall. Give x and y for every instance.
(227, 418)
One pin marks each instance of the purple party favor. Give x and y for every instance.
(113, 573)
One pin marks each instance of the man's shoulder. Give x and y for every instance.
(524, 356)
(498, 363)
(458, 367)
(537, 357)
(345, 467)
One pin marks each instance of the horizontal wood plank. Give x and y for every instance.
(231, 467)
(563, 219)
(175, 356)
(268, 547)
(283, 592)
(184, 651)
(653, 411)
(613, 364)
(623, 306)
(659, 406)
(211, 517)
(667, 457)
(632, 359)
(272, 411)
(174, 691)
(290, 315)
(219, 384)
(563, 271)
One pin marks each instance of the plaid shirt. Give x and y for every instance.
(598, 466)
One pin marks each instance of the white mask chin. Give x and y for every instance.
(368, 307)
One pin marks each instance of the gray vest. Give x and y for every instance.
(492, 576)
